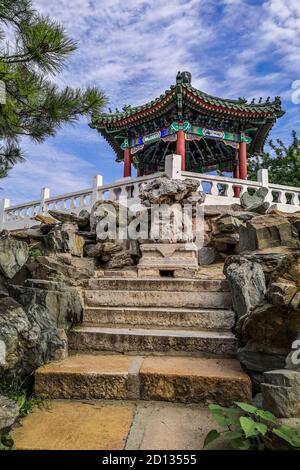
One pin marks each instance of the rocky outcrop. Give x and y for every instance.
(255, 202)
(281, 393)
(267, 231)
(13, 255)
(62, 303)
(9, 414)
(82, 220)
(28, 339)
(168, 191)
(247, 283)
(265, 284)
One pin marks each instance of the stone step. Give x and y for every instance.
(145, 341)
(174, 379)
(162, 284)
(160, 317)
(151, 298)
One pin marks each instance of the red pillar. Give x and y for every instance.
(236, 174)
(180, 148)
(243, 160)
(127, 162)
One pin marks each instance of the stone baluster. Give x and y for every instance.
(45, 194)
(214, 191)
(97, 183)
(4, 204)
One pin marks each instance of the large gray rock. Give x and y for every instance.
(62, 303)
(281, 393)
(3, 287)
(64, 241)
(255, 202)
(267, 231)
(9, 413)
(64, 268)
(168, 191)
(82, 220)
(207, 255)
(27, 339)
(247, 283)
(229, 224)
(13, 255)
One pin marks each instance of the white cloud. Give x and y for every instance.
(47, 166)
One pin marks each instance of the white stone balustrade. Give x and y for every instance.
(219, 189)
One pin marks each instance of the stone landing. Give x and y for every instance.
(110, 425)
(174, 379)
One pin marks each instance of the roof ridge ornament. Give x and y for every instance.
(184, 78)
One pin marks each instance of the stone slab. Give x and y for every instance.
(151, 341)
(159, 317)
(72, 425)
(166, 426)
(98, 425)
(199, 380)
(88, 376)
(153, 298)
(159, 284)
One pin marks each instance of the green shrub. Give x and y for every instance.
(247, 427)
(20, 391)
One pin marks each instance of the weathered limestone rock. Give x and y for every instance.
(247, 284)
(255, 202)
(270, 326)
(35, 233)
(9, 413)
(267, 231)
(3, 287)
(167, 191)
(65, 241)
(207, 255)
(27, 339)
(99, 249)
(62, 216)
(281, 393)
(258, 358)
(62, 303)
(45, 219)
(273, 261)
(13, 255)
(228, 224)
(62, 268)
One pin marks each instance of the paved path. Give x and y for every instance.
(115, 425)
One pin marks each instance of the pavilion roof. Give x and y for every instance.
(261, 115)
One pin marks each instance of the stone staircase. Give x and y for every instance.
(151, 339)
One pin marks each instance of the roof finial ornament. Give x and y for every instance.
(260, 100)
(253, 101)
(184, 77)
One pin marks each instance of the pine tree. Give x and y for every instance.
(34, 106)
(283, 163)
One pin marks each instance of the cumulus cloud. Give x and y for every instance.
(133, 50)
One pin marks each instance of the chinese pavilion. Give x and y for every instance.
(208, 132)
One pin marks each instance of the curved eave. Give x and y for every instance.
(232, 108)
(138, 114)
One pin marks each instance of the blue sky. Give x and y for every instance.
(133, 49)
